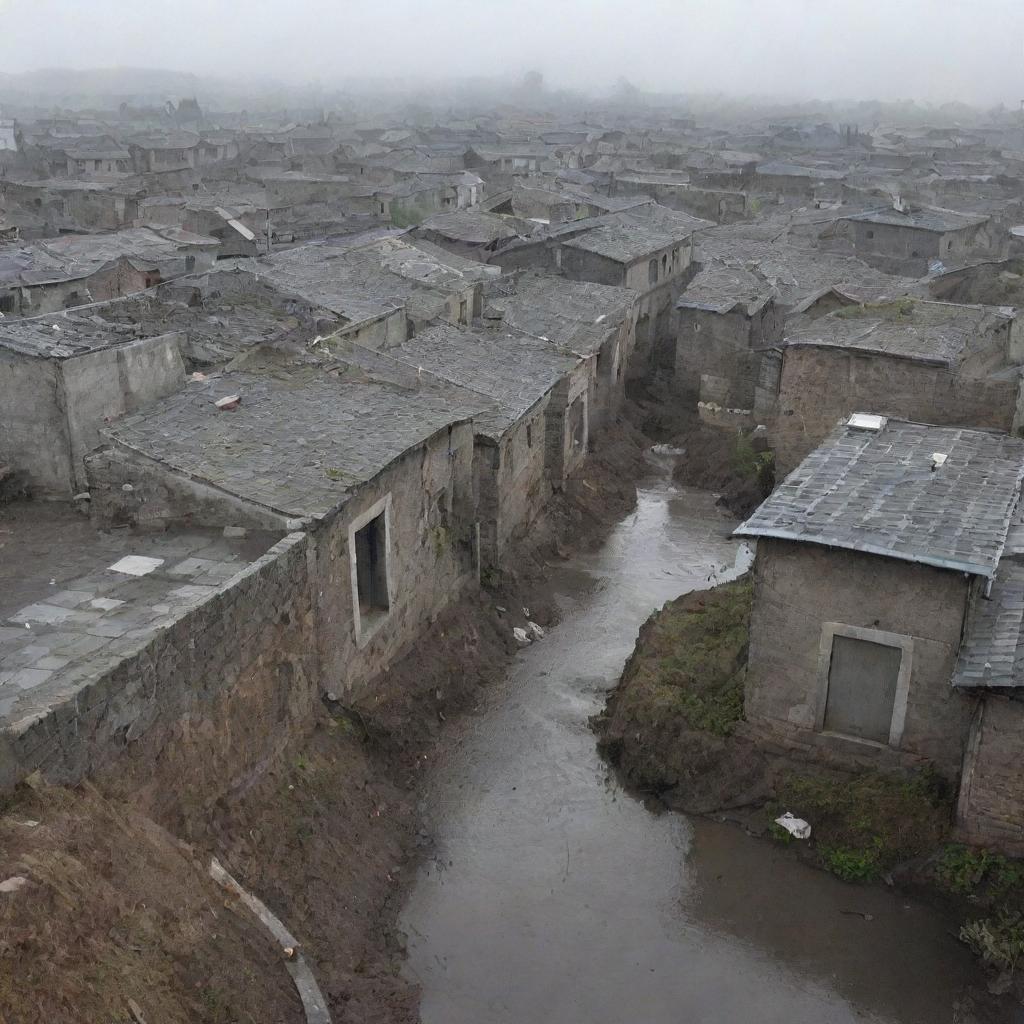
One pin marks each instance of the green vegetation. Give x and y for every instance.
(894, 310)
(757, 467)
(999, 940)
(696, 655)
(409, 216)
(865, 825)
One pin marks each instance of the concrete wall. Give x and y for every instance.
(101, 386)
(821, 386)
(51, 411)
(33, 426)
(798, 588)
(990, 809)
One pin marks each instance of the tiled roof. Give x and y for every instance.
(877, 492)
(992, 654)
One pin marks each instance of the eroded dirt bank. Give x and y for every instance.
(550, 894)
(673, 727)
(111, 915)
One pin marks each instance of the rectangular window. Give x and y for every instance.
(371, 555)
(463, 312)
(863, 678)
(652, 272)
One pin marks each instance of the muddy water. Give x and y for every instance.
(554, 896)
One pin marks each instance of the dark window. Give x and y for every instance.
(372, 567)
(6, 303)
(871, 234)
(463, 312)
(529, 435)
(652, 272)
(862, 688)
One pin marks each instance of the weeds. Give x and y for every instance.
(867, 824)
(999, 940)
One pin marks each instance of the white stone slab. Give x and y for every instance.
(136, 565)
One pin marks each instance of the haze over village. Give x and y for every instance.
(511, 513)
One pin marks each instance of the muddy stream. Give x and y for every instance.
(551, 895)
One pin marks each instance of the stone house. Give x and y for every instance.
(937, 362)
(381, 286)
(534, 432)
(76, 205)
(675, 191)
(590, 320)
(62, 379)
(648, 250)
(94, 157)
(53, 274)
(912, 242)
(379, 475)
(471, 233)
(162, 152)
(873, 587)
(727, 319)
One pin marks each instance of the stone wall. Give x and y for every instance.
(990, 809)
(196, 707)
(431, 557)
(821, 386)
(511, 484)
(800, 587)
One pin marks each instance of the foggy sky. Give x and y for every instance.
(930, 50)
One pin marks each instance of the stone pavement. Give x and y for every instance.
(78, 628)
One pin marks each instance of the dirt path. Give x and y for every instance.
(553, 896)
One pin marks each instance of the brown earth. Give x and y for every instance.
(119, 921)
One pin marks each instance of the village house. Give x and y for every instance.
(886, 614)
(912, 242)
(727, 319)
(647, 249)
(937, 362)
(163, 152)
(473, 233)
(63, 205)
(57, 273)
(381, 286)
(533, 437)
(590, 320)
(97, 157)
(61, 379)
(675, 191)
(378, 474)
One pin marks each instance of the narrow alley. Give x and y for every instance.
(551, 895)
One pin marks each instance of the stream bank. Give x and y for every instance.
(549, 893)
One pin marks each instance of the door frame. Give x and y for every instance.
(830, 630)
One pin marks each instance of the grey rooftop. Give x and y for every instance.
(303, 437)
(940, 333)
(513, 369)
(876, 491)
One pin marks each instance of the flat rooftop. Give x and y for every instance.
(942, 333)
(74, 601)
(304, 435)
(876, 491)
(513, 369)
